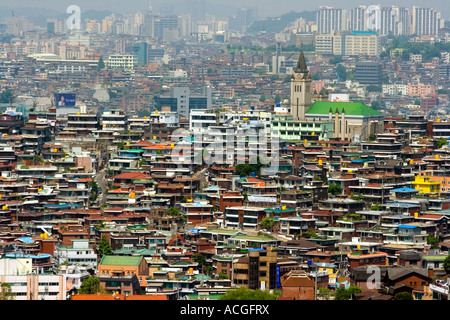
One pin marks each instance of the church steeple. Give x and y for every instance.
(301, 64)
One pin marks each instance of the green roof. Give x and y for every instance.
(351, 108)
(437, 258)
(120, 260)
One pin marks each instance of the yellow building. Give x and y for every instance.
(425, 184)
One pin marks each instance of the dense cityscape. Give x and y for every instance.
(156, 155)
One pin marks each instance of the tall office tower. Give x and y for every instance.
(198, 9)
(425, 21)
(56, 25)
(243, 19)
(369, 73)
(148, 24)
(140, 50)
(330, 19)
(357, 19)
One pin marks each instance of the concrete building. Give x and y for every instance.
(122, 61)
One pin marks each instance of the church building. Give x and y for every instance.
(313, 117)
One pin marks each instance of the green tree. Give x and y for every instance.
(403, 296)
(342, 294)
(94, 191)
(376, 207)
(324, 293)
(101, 64)
(374, 88)
(433, 241)
(441, 142)
(310, 234)
(336, 60)
(6, 96)
(267, 223)
(446, 264)
(203, 264)
(173, 212)
(346, 294)
(222, 276)
(91, 286)
(342, 72)
(375, 104)
(104, 247)
(5, 291)
(277, 99)
(335, 189)
(249, 294)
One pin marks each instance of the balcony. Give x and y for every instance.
(440, 288)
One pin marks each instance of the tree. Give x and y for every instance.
(5, 291)
(6, 96)
(246, 169)
(446, 264)
(433, 241)
(336, 60)
(403, 296)
(310, 234)
(376, 207)
(104, 247)
(248, 294)
(201, 260)
(91, 286)
(277, 99)
(341, 294)
(375, 104)
(374, 88)
(335, 189)
(441, 142)
(267, 223)
(341, 72)
(173, 212)
(324, 293)
(94, 191)
(101, 64)
(346, 294)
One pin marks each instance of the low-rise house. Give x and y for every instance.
(124, 266)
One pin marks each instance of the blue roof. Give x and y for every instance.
(67, 205)
(26, 239)
(400, 204)
(32, 256)
(406, 226)
(404, 190)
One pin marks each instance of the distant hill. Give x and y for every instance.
(39, 15)
(277, 24)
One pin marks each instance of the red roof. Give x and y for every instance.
(431, 216)
(373, 185)
(132, 175)
(143, 143)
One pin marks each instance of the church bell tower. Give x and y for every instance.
(300, 89)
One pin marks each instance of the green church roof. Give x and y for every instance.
(351, 108)
(120, 260)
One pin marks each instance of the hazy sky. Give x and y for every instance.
(265, 7)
